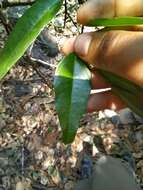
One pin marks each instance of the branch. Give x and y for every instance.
(12, 3)
(66, 11)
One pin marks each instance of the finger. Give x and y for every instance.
(118, 51)
(104, 100)
(109, 9)
(97, 82)
(95, 9)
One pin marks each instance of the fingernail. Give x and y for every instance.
(82, 44)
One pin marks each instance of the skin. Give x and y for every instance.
(117, 50)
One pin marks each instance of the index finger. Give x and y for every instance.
(109, 9)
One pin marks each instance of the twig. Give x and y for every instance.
(9, 3)
(33, 61)
(66, 15)
(29, 55)
(66, 12)
(42, 62)
(72, 20)
(47, 81)
(3, 19)
(82, 28)
(41, 187)
(80, 1)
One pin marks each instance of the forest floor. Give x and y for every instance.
(32, 155)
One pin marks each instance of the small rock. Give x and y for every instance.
(69, 185)
(23, 185)
(47, 44)
(139, 137)
(21, 89)
(1, 172)
(125, 116)
(20, 186)
(44, 180)
(140, 164)
(56, 177)
(116, 120)
(3, 162)
(2, 105)
(6, 182)
(88, 138)
(39, 155)
(138, 155)
(50, 161)
(138, 118)
(109, 113)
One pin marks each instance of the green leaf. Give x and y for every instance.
(72, 89)
(116, 21)
(128, 91)
(26, 30)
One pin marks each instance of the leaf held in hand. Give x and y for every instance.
(128, 91)
(72, 89)
(116, 21)
(26, 30)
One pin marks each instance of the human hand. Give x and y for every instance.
(119, 51)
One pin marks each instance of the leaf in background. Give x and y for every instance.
(116, 21)
(72, 89)
(128, 91)
(26, 30)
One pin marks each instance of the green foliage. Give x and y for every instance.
(72, 89)
(118, 21)
(26, 30)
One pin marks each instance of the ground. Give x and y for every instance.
(32, 155)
